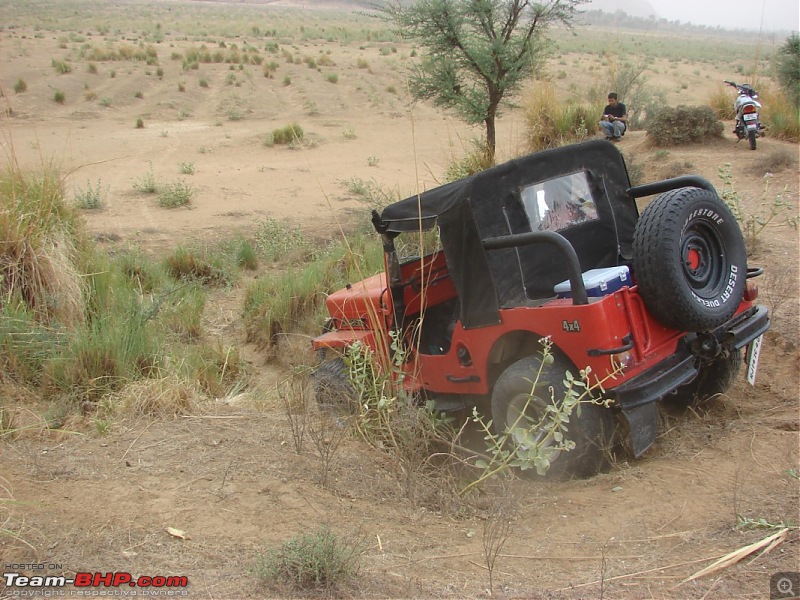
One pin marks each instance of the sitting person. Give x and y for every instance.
(615, 117)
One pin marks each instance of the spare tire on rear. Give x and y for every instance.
(690, 261)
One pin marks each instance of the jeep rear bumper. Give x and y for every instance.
(637, 397)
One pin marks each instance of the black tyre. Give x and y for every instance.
(331, 383)
(751, 138)
(689, 260)
(591, 431)
(713, 378)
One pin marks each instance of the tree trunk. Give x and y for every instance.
(491, 131)
(491, 136)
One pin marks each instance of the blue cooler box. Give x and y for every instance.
(598, 282)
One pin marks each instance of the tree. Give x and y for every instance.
(788, 60)
(478, 51)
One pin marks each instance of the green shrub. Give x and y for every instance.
(147, 183)
(788, 68)
(20, 86)
(175, 194)
(319, 559)
(90, 198)
(682, 125)
(139, 123)
(60, 66)
(332, 78)
(287, 135)
(275, 240)
(59, 97)
(189, 265)
(246, 256)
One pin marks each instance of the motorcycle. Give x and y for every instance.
(747, 107)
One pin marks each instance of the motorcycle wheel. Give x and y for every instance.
(751, 137)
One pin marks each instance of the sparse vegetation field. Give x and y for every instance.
(159, 285)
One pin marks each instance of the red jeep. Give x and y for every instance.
(552, 245)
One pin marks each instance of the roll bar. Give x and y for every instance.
(554, 239)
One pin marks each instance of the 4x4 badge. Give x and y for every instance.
(574, 326)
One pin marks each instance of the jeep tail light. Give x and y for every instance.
(623, 359)
(751, 291)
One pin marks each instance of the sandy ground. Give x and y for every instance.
(228, 476)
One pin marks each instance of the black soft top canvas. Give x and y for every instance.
(489, 205)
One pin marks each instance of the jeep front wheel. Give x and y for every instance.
(330, 381)
(515, 392)
(689, 261)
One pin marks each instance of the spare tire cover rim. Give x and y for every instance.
(701, 254)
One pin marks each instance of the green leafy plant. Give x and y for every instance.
(175, 194)
(20, 86)
(147, 183)
(533, 444)
(314, 560)
(89, 198)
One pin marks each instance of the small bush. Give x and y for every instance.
(59, 97)
(139, 123)
(332, 78)
(186, 168)
(683, 125)
(175, 194)
(188, 265)
(319, 559)
(20, 86)
(147, 183)
(288, 134)
(788, 68)
(275, 240)
(60, 66)
(246, 257)
(90, 198)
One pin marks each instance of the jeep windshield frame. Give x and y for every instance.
(492, 204)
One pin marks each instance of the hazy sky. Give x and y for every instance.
(744, 14)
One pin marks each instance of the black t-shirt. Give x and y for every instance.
(617, 110)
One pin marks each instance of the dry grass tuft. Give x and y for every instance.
(163, 397)
(37, 229)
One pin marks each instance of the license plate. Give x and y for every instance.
(753, 352)
(751, 117)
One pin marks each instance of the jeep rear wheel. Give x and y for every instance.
(689, 261)
(713, 378)
(515, 392)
